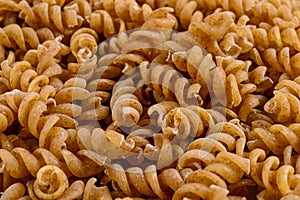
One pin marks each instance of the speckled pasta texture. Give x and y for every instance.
(149, 99)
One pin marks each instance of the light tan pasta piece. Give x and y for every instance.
(116, 145)
(239, 38)
(55, 2)
(229, 166)
(51, 16)
(276, 138)
(211, 29)
(146, 182)
(158, 111)
(113, 45)
(87, 163)
(125, 105)
(259, 10)
(230, 134)
(10, 5)
(187, 12)
(229, 89)
(274, 38)
(198, 190)
(198, 64)
(282, 61)
(102, 22)
(28, 163)
(168, 84)
(50, 183)
(284, 106)
(290, 158)
(249, 103)
(268, 173)
(164, 152)
(93, 110)
(14, 191)
(161, 18)
(83, 44)
(13, 36)
(91, 191)
(186, 122)
(6, 117)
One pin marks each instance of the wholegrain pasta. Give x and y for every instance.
(148, 99)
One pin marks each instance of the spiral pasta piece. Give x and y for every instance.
(222, 137)
(187, 12)
(9, 108)
(52, 16)
(12, 35)
(233, 86)
(47, 177)
(268, 173)
(125, 106)
(186, 122)
(15, 191)
(282, 61)
(259, 10)
(30, 163)
(170, 85)
(274, 38)
(197, 64)
(152, 184)
(283, 107)
(283, 137)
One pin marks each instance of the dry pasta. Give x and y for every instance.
(149, 99)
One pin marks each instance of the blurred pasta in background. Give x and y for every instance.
(149, 99)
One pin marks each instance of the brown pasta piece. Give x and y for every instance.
(148, 113)
(276, 138)
(170, 85)
(152, 184)
(15, 191)
(125, 106)
(43, 14)
(283, 107)
(187, 12)
(29, 163)
(13, 35)
(186, 122)
(268, 173)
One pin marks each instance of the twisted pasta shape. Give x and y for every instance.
(152, 184)
(87, 163)
(274, 38)
(199, 190)
(282, 61)
(15, 191)
(187, 12)
(197, 64)
(222, 137)
(235, 89)
(210, 181)
(52, 16)
(13, 36)
(259, 10)
(78, 189)
(284, 106)
(9, 104)
(268, 173)
(261, 138)
(212, 28)
(125, 105)
(186, 122)
(52, 178)
(170, 85)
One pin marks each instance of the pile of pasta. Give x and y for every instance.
(149, 99)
